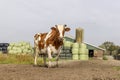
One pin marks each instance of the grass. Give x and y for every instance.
(17, 59)
(20, 59)
(117, 68)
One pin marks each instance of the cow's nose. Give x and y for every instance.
(61, 39)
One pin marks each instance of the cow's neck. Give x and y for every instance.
(57, 43)
(53, 39)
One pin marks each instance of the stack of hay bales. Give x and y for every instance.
(67, 44)
(20, 48)
(75, 50)
(79, 51)
(66, 50)
(83, 52)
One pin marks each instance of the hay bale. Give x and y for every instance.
(75, 45)
(84, 57)
(9, 47)
(12, 52)
(27, 51)
(12, 44)
(75, 51)
(83, 45)
(67, 44)
(20, 48)
(75, 57)
(83, 51)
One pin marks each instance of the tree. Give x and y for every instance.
(117, 50)
(109, 46)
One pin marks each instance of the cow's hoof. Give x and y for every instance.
(57, 65)
(45, 66)
(53, 66)
(35, 65)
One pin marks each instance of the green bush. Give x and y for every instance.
(105, 58)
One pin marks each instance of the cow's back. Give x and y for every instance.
(39, 40)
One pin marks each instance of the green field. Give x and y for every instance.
(18, 59)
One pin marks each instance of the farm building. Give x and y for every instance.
(85, 49)
(93, 51)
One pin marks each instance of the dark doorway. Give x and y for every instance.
(91, 53)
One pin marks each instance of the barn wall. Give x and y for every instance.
(98, 53)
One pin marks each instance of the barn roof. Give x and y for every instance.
(94, 46)
(71, 37)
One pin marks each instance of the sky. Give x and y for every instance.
(20, 20)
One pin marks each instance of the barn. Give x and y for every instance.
(95, 52)
(92, 50)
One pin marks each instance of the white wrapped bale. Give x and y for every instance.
(84, 57)
(67, 45)
(75, 45)
(12, 44)
(75, 51)
(9, 48)
(27, 46)
(83, 51)
(83, 45)
(75, 57)
(20, 48)
(75, 48)
(12, 52)
(27, 51)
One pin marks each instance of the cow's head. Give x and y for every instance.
(60, 30)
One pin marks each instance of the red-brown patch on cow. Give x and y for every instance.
(41, 43)
(67, 29)
(36, 36)
(53, 39)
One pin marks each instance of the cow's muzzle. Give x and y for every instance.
(60, 39)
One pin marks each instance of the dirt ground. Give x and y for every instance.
(67, 70)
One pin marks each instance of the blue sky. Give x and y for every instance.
(21, 19)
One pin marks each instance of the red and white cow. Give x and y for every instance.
(49, 43)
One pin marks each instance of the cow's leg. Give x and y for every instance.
(49, 57)
(57, 57)
(36, 55)
(44, 59)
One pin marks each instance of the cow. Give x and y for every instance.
(50, 43)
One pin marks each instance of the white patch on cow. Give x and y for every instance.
(60, 28)
(36, 42)
(39, 38)
(43, 50)
(52, 48)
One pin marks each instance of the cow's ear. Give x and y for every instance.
(53, 28)
(67, 29)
